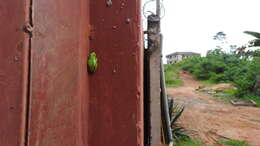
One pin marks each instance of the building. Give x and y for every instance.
(178, 56)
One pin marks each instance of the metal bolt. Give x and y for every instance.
(122, 5)
(109, 3)
(114, 27)
(16, 58)
(128, 20)
(28, 28)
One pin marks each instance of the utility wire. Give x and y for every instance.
(159, 8)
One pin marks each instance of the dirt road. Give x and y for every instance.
(211, 120)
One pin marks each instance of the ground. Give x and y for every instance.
(211, 120)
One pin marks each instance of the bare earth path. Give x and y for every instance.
(211, 120)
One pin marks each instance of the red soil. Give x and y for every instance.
(211, 120)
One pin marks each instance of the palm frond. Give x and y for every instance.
(173, 120)
(170, 101)
(256, 43)
(252, 33)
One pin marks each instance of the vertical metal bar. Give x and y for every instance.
(165, 106)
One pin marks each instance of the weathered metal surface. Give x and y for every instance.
(13, 71)
(116, 91)
(59, 82)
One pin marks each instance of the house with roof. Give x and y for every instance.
(179, 56)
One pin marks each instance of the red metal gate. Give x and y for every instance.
(59, 89)
(47, 96)
(116, 96)
(14, 44)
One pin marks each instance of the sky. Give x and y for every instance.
(189, 25)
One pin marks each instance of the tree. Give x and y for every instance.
(255, 42)
(220, 37)
(256, 53)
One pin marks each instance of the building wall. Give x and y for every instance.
(177, 58)
(174, 58)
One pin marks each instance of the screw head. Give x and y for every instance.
(128, 20)
(114, 27)
(109, 3)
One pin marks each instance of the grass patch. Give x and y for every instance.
(233, 142)
(189, 142)
(172, 76)
(228, 94)
(208, 82)
(225, 95)
(255, 99)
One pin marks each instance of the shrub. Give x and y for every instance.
(172, 76)
(219, 66)
(234, 143)
(175, 111)
(190, 142)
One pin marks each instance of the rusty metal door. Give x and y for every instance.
(47, 96)
(116, 91)
(59, 79)
(43, 74)
(13, 71)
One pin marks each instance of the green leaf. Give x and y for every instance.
(256, 43)
(177, 116)
(252, 33)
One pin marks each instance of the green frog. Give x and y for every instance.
(92, 62)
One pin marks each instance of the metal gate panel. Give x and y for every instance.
(44, 49)
(59, 89)
(116, 89)
(13, 71)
